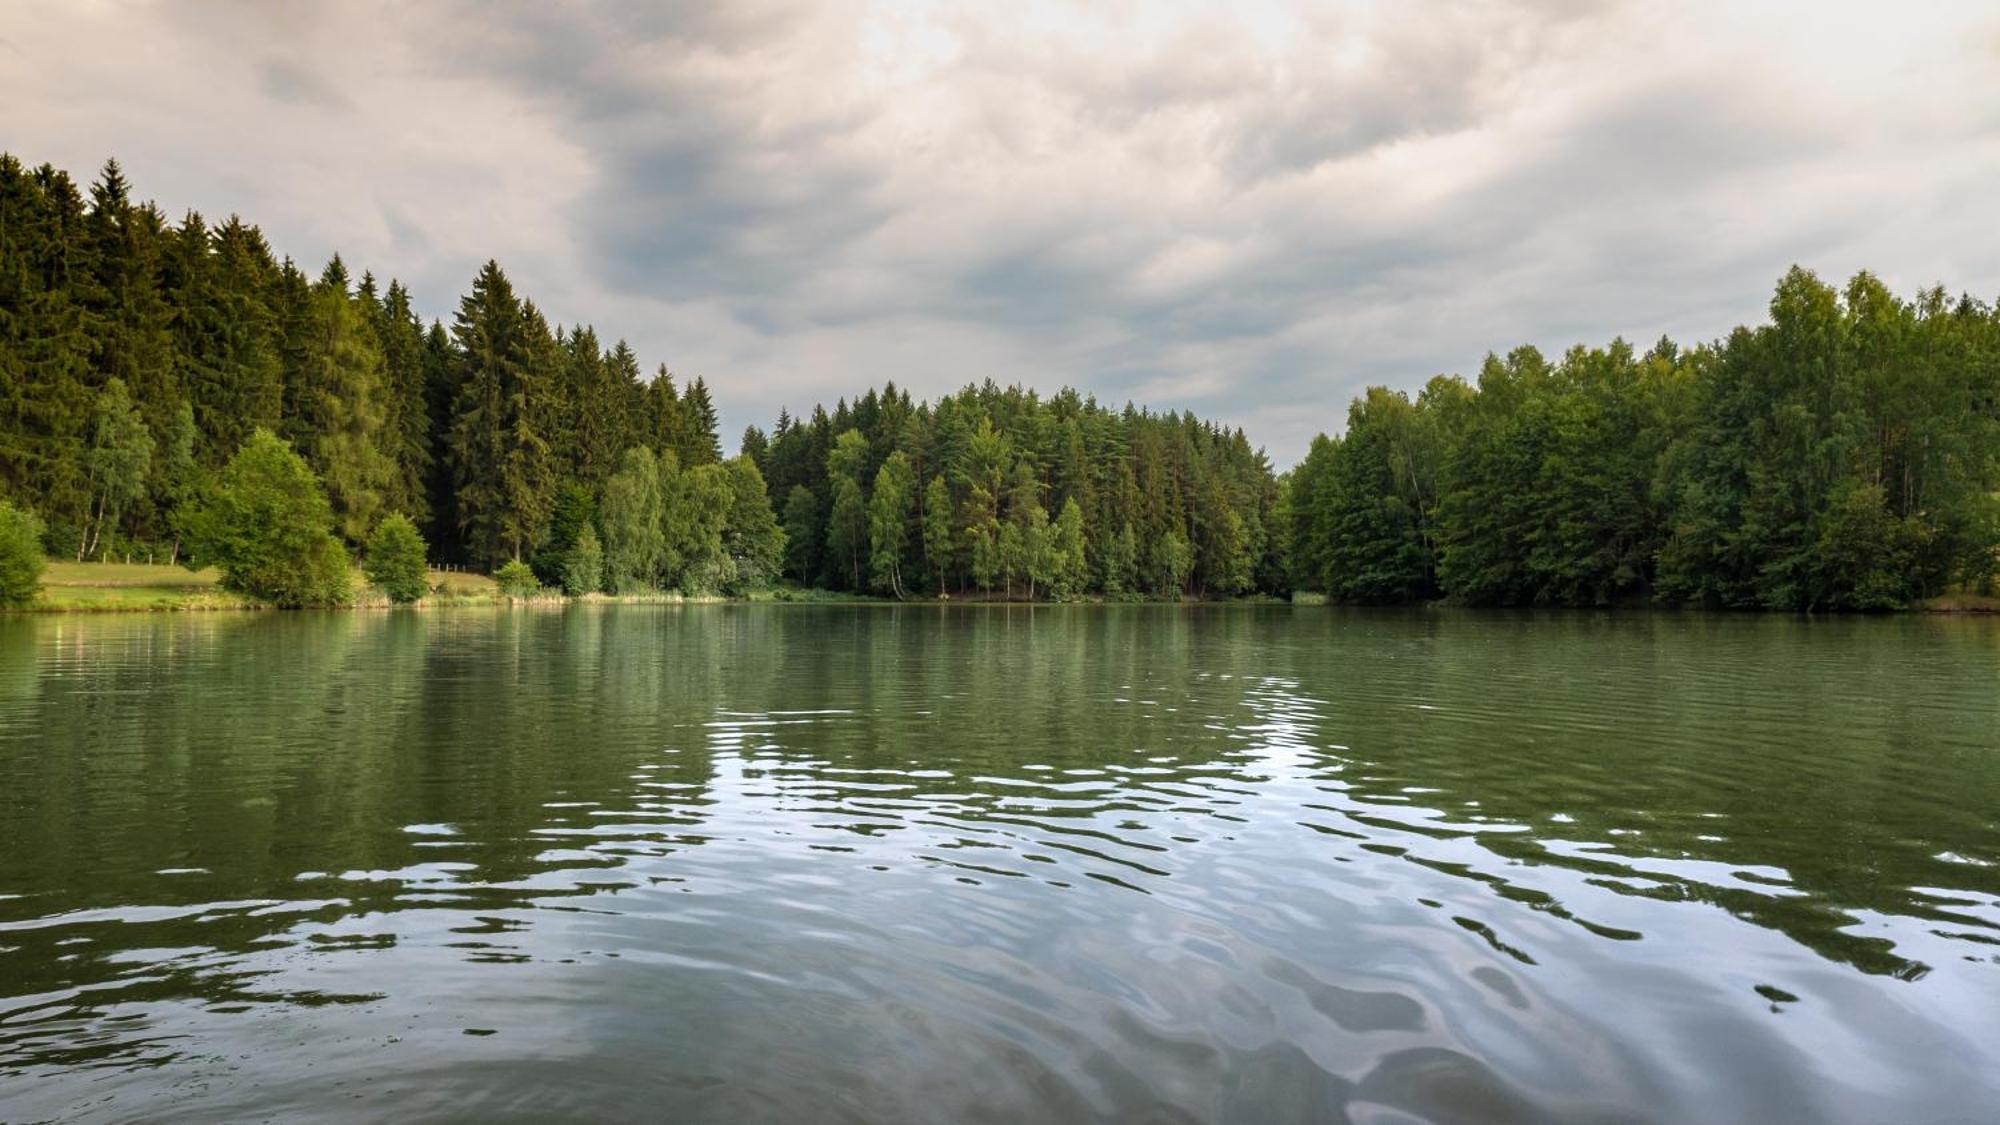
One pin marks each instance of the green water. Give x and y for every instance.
(781, 863)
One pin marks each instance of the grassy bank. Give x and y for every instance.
(105, 587)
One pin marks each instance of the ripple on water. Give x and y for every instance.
(742, 864)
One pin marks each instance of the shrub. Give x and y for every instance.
(517, 580)
(20, 555)
(395, 559)
(266, 524)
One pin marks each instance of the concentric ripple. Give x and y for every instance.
(1100, 863)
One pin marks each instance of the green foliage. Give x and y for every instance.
(634, 541)
(1843, 455)
(575, 511)
(802, 533)
(395, 559)
(1068, 569)
(506, 367)
(847, 522)
(121, 452)
(583, 565)
(335, 393)
(516, 579)
(21, 560)
(1121, 563)
(751, 535)
(889, 522)
(1173, 560)
(697, 515)
(267, 525)
(938, 538)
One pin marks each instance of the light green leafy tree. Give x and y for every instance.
(21, 559)
(889, 522)
(937, 530)
(121, 452)
(395, 559)
(266, 524)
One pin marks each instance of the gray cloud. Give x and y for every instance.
(1252, 212)
(285, 81)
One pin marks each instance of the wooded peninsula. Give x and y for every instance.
(177, 391)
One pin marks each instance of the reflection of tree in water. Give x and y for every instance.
(1691, 757)
(250, 781)
(486, 765)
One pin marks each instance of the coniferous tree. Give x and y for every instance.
(802, 533)
(177, 477)
(337, 403)
(699, 444)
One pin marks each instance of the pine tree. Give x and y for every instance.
(338, 404)
(406, 424)
(699, 444)
(502, 466)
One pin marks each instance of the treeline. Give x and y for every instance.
(138, 356)
(1842, 456)
(143, 360)
(997, 491)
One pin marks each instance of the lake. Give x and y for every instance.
(789, 863)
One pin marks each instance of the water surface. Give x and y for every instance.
(783, 863)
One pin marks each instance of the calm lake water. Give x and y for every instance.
(742, 863)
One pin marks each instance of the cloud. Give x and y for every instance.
(1251, 211)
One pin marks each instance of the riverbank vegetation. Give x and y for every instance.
(176, 392)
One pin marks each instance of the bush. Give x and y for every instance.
(20, 555)
(395, 559)
(266, 524)
(517, 580)
(583, 567)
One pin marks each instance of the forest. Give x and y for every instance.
(177, 390)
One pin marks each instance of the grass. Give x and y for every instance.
(107, 586)
(1961, 603)
(70, 575)
(111, 586)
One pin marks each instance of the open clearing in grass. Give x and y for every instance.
(110, 574)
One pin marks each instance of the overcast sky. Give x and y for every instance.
(1248, 210)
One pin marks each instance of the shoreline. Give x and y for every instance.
(232, 604)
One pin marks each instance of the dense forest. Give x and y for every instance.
(157, 377)
(1842, 456)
